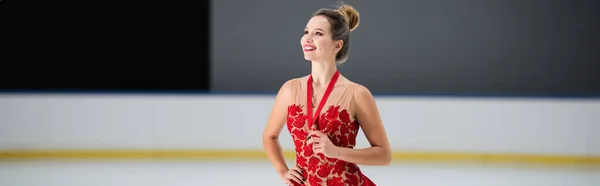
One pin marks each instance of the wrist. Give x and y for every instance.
(338, 152)
(282, 172)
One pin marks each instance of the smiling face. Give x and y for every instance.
(317, 42)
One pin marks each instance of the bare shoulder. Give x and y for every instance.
(362, 103)
(291, 85)
(361, 93)
(288, 85)
(288, 89)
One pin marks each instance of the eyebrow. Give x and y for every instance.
(316, 29)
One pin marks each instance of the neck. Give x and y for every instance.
(322, 72)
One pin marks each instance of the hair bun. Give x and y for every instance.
(351, 15)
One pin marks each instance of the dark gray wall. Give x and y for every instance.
(422, 46)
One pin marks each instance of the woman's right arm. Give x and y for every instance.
(274, 127)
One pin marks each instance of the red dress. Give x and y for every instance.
(336, 120)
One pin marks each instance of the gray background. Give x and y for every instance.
(506, 47)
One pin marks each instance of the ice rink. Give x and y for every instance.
(235, 173)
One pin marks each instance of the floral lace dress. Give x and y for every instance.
(337, 122)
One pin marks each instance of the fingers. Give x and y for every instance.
(318, 146)
(316, 141)
(319, 141)
(313, 140)
(297, 169)
(292, 177)
(316, 133)
(288, 182)
(318, 150)
(295, 174)
(315, 136)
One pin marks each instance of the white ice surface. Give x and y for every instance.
(200, 173)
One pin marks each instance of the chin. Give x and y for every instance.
(308, 58)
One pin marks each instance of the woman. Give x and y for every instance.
(324, 143)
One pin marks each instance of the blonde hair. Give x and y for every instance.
(343, 20)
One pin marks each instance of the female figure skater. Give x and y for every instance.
(324, 110)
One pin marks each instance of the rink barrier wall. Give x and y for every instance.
(540, 130)
(215, 155)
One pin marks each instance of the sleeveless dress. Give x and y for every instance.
(337, 121)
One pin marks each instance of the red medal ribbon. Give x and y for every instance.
(311, 118)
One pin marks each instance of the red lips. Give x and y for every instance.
(308, 48)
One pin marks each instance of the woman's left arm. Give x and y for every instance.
(367, 114)
(368, 117)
